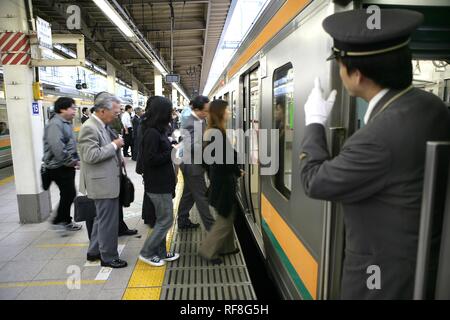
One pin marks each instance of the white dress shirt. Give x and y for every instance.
(104, 126)
(126, 120)
(373, 102)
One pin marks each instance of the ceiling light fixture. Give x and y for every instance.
(114, 17)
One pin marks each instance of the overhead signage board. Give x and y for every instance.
(172, 78)
(44, 34)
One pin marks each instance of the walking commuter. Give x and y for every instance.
(100, 178)
(127, 130)
(378, 175)
(159, 179)
(223, 178)
(194, 173)
(61, 160)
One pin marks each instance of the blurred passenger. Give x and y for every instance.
(223, 178)
(61, 159)
(100, 178)
(3, 129)
(84, 115)
(136, 122)
(194, 173)
(127, 130)
(159, 179)
(185, 113)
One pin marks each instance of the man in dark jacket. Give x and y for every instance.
(61, 159)
(136, 122)
(194, 189)
(378, 175)
(84, 115)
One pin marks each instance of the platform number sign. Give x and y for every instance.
(35, 108)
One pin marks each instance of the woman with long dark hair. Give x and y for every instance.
(159, 178)
(223, 179)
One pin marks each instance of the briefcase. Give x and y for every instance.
(45, 177)
(84, 209)
(126, 196)
(148, 211)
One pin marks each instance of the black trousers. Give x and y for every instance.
(128, 142)
(64, 178)
(122, 225)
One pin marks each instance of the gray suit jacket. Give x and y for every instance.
(378, 178)
(100, 162)
(193, 145)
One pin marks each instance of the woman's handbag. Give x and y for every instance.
(126, 196)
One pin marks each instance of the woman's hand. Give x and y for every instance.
(242, 173)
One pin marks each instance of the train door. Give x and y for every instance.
(251, 116)
(433, 259)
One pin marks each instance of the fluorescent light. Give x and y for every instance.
(114, 17)
(160, 67)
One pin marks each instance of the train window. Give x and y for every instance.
(4, 129)
(283, 120)
(233, 109)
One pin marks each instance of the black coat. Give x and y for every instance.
(378, 178)
(223, 178)
(159, 173)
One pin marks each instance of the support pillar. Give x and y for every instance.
(158, 83)
(111, 78)
(174, 97)
(135, 88)
(26, 124)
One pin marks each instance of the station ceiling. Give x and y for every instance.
(198, 25)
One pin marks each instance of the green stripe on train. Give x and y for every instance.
(288, 265)
(5, 148)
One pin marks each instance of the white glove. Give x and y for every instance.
(317, 109)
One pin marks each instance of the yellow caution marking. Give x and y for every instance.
(142, 294)
(62, 245)
(146, 281)
(6, 180)
(45, 283)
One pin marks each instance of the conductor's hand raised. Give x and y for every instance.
(317, 109)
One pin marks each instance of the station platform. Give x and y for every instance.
(39, 263)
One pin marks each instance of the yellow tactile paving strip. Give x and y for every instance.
(6, 180)
(146, 281)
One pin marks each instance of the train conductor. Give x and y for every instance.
(378, 175)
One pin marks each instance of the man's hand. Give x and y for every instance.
(77, 165)
(119, 143)
(317, 109)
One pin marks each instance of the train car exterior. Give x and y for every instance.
(266, 84)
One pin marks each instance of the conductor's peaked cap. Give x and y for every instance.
(366, 33)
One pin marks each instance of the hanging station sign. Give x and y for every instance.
(172, 78)
(44, 34)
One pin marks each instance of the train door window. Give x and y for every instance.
(283, 120)
(254, 144)
(433, 76)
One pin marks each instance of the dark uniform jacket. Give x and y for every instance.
(378, 178)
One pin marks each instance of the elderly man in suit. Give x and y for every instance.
(100, 178)
(194, 174)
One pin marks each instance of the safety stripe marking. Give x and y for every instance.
(45, 283)
(6, 180)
